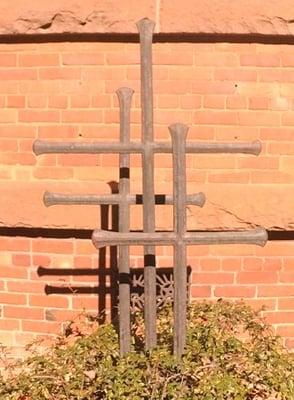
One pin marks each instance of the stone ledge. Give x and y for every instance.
(236, 207)
(242, 17)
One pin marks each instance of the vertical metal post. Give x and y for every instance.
(124, 97)
(146, 28)
(178, 135)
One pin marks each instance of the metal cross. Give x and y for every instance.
(179, 238)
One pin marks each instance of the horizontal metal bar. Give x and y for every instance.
(106, 238)
(51, 199)
(45, 147)
(255, 236)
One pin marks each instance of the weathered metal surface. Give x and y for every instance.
(47, 147)
(146, 28)
(125, 98)
(51, 199)
(255, 236)
(178, 134)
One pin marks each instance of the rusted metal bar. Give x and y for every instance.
(51, 199)
(125, 99)
(255, 236)
(46, 147)
(178, 134)
(146, 28)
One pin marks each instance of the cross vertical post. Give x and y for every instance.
(145, 28)
(178, 134)
(125, 98)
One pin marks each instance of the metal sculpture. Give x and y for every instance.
(179, 238)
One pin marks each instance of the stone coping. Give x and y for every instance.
(221, 17)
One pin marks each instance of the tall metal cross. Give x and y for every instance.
(179, 238)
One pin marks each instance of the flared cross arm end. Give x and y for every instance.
(256, 237)
(146, 27)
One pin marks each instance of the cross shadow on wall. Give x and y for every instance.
(107, 277)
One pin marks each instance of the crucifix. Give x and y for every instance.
(179, 238)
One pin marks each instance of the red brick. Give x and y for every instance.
(260, 60)
(235, 291)
(12, 272)
(57, 101)
(236, 102)
(38, 60)
(272, 264)
(200, 291)
(83, 59)
(259, 118)
(8, 60)
(8, 145)
(9, 324)
(257, 277)
(231, 264)
(215, 117)
(216, 59)
(214, 101)
(259, 103)
(210, 264)
(85, 303)
(122, 58)
(213, 277)
(59, 73)
(52, 246)
(48, 301)
(281, 317)
(21, 260)
(14, 244)
(13, 298)
(18, 131)
(259, 163)
(285, 330)
(214, 87)
(37, 101)
(38, 116)
(81, 101)
(286, 303)
(82, 116)
(15, 101)
(252, 264)
(167, 101)
(235, 74)
(275, 291)
(57, 131)
(190, 101)
(286, 277)
(78, 160)
(53, 173)
(25, 286)
(270, 75)
(233, 177)
(101, 101)
(40, 326)
(288, 118)
(59, 315)
(8, 115)
(18, 74)
(23, 312)
(41, 260)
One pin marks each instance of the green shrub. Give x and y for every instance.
(231, 354)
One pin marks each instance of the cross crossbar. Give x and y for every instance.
(47, 147)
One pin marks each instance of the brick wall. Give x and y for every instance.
(65, 91)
